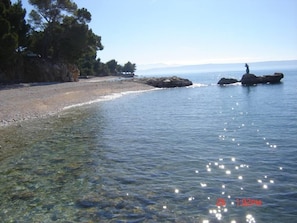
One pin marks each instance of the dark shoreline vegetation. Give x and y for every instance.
(54, 44)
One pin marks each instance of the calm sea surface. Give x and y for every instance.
(199, 154)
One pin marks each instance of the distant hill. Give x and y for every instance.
(275, 65)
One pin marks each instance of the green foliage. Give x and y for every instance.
(13, 31)
(83, 15)
(67, 36)
(18, 23)
(112, 66)
(58, 30)
(129, 68)
(49, 12)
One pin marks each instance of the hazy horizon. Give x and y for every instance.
(281, 64)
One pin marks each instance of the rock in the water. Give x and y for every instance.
(167, 82)
(225, 81)
(251, 79)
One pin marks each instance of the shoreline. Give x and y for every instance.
(24, 102)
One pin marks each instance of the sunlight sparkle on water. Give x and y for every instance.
(250, 218)
(219, 216)
(203, 184)
(191, 198)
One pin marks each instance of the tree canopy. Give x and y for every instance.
(66, 35)
(13, 30)
(57, 30)
(129, 67)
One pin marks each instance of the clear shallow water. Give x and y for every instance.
(165, 155)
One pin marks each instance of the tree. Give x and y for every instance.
(13, 31)
(50, 12)
(67, 36)
(18, 23)
(112, 66)
(87, 65)
(129, 68)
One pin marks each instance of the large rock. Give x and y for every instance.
(251, 79)
(167, 82)
(225, 81)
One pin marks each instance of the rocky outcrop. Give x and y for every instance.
(225, 81)
(166, 82)
(251, 79)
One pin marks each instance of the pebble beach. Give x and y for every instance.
(35, 100)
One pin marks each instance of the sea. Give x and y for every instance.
(204, 153)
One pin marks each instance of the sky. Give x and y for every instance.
(184, 32)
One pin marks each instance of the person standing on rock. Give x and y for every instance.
(247, 68)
